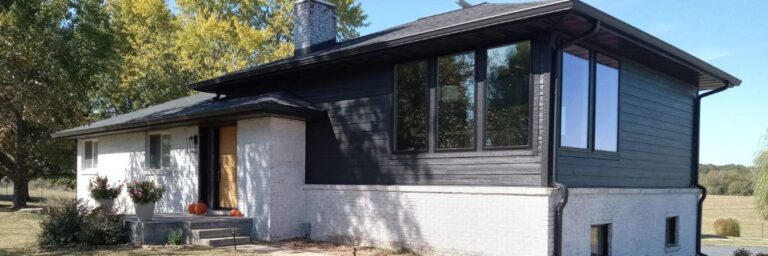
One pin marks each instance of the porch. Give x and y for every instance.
(207, 230)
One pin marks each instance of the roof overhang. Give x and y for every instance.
(577, 17)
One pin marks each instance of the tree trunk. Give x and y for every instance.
(21, 193)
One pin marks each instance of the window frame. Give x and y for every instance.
(395, 109)
(479, 148)
(604, 232)
(590, 150)
(149, 151)
(675, 233)
(94, 155)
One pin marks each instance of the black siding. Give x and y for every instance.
(655, 136)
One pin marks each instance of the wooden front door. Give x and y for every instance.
(228, 167)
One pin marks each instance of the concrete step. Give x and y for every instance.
(219, 242)
(215, 233)
(242, 223)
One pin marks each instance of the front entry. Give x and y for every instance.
(228, 167)
(218, 166)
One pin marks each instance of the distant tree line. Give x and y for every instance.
(730, 179)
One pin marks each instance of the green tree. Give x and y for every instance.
(761, 182)
(53, 52)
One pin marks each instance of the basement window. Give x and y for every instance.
(90, 154)
(671, 232)
(159, 151)
(600, 240)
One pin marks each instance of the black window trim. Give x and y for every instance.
(590, 151)
(437, 105)
(480, 76)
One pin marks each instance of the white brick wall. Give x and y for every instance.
(637, 218)
(122, 158)
(454, 220)
(271, 175)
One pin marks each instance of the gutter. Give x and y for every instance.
(554, 136)
(695, 159)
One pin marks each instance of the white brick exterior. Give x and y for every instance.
(455, 220)
(271, 175)
(637, 218)
(122, 159)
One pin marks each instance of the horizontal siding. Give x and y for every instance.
(655, 137)
(351, 144)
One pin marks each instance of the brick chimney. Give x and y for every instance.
(314, 25)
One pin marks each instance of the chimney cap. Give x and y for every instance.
(319, 1)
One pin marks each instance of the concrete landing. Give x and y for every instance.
(156, 231)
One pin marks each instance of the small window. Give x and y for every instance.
(600, 242)
(575, 98)
(671, 232)
(412, 106)
(91, 154)
(159, 151)
(606, 103)
(456, 101)
(507, 94)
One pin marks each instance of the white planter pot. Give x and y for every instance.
(105, 203)
(144, 211)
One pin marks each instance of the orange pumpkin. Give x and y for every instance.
(198, 208)
(235, 213)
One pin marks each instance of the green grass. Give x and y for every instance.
(740, 207)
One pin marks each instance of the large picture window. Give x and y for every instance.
(159, 151)
(90, 154)
(412, 106)
(589, 100)
(456, 101)
(469, 101)
(507, 94)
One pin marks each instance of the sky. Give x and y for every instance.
(732, 37)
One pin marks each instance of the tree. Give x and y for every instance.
(761, 182)
(52, 52)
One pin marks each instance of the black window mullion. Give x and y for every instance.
(480, 108)
(592, 100)
(432, 113)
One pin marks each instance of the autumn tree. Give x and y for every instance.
(761, 181)
(53, 52)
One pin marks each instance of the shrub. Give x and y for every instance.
(727, 226)
(102, 227)
(100, 188)
(144, 192)
(742, 252)
(61, 225)
(176, 237)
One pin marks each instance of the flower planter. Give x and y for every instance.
(105, 203)
(144, 211)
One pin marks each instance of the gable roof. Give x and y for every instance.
(198, 107)
(461, 20)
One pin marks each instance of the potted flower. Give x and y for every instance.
(144, 195)
(103, 193)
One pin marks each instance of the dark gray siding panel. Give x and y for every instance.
(655, 136)
(351, 143)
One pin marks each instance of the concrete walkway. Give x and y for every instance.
(724, 250)
(269, 250)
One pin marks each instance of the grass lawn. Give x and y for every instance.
(733, 206)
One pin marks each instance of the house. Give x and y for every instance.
(543, 128)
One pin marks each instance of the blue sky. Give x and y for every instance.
(732, 36)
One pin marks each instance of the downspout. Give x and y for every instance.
(695, 159)
(554, 136)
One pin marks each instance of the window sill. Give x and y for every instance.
(584, 153)
(457, 154)
(159, 172)
(91, 171)
(672, 248)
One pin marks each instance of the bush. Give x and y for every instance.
(727, 226)
(144, 192)
(176, 237)
(742, 252)
(61, 225)
(102, 227)
(100, 188)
